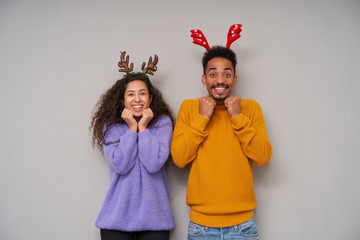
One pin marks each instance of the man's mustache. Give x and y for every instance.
(220, 85)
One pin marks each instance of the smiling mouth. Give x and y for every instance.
(220, 89)
(137, 107)
(224, 86)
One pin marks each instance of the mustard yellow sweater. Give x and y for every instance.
(220, 153)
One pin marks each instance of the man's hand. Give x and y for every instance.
(147, 115)
(128, 116)
(206, 106)
(233, 104)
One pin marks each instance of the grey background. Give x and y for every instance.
(298, 59)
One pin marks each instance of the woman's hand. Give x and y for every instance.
(147, 115)
(128, 116)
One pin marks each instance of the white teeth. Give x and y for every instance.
(137, 107)
(220, 88)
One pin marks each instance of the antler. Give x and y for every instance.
(233, 34)
(199, 38)
(124, 64)
(151, 67)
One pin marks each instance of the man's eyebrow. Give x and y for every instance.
(225, 69)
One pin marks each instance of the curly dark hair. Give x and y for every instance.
(221, 52)
(110, 105)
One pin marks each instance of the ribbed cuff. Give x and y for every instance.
(200, 123)
(239, 121)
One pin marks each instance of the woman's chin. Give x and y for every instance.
(137, 114)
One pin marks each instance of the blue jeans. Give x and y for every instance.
(244, 231)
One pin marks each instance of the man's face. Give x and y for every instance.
(219, 78)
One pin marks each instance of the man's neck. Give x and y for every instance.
(219, 102)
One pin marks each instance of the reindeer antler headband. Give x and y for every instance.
(233, 35)
(125, 67)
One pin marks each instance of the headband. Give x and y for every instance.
(124, 65)
(233, 35)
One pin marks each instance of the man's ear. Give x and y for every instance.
(235, 79)
(203, 79)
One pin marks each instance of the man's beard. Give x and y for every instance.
(226, 86)
(220, 99)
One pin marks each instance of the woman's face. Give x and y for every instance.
(137, 97)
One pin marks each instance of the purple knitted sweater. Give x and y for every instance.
(137, 199)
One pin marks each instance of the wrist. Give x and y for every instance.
(133, 126)
(205, 116)
(208, 116)
(142, 128)
(234, 114)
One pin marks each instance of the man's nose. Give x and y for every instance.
(220, 79)
(137, 97)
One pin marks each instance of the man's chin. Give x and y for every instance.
(219, 98)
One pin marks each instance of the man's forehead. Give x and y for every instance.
(219, 63)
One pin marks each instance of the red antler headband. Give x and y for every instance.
(124, 65)
(199, 38)
(233, 35)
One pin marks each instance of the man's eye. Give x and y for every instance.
(212, 74)
(143, 93)
(227, 75)
(130, 94)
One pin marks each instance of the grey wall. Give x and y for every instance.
(298, 59)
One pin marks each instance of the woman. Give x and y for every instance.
(132, 125)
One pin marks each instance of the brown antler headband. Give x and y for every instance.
(233, 35)
(151, 67)
(125, 67)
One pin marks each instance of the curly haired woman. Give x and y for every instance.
(132, 126)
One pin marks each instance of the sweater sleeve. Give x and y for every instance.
(252, 135)
(189, 133)
(154, 145)
(120, 148)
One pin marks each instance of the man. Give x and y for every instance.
(220, 136)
